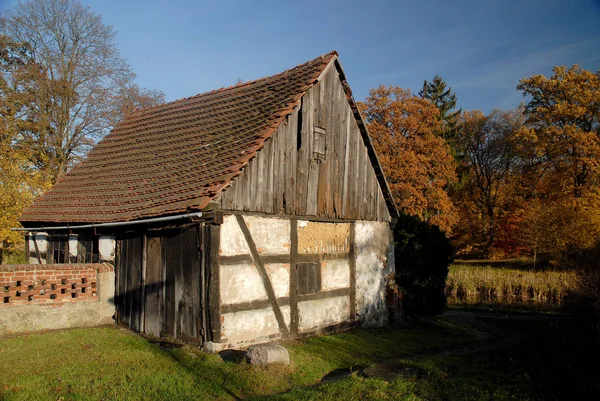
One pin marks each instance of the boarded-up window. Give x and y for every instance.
(58, 249)
(309, 277)
(319, 147)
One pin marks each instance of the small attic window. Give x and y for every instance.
(319, 148)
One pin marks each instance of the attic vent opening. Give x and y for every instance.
(319, 147)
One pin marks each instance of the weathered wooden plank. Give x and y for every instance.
(279, 171)
(142, 290)
(294, 317)
(303, 155)
(212, 234)
(292, 151)
(203, 302)
(188, 283)
(169, 260)
(268, 204)
(352, 260)
(154, 286)
(134, 283)
(314, 117)
(261, 180)
(264, 276)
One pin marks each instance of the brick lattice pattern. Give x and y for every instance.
(178, 156)
(49, 284)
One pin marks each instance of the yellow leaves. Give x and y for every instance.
(416, 160)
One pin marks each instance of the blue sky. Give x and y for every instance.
(481, 48)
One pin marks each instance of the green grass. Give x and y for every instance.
(470, 284)
(452, 359)
(111, 363)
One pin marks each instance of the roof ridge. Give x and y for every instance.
(331, 54)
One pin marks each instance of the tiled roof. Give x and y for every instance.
(175, 157)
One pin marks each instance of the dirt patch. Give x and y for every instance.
(316, 237)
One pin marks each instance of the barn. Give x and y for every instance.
(249, 213)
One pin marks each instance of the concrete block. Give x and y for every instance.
(266, 354)
(214, 348)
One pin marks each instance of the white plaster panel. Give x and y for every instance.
(232, 239)
(240, 283)
(247, 327)
(42, 242)
(106, 247)
(323, 312)
(73, 241)
(271, 235)
(374, 250)
(279, 273)
(335, 274)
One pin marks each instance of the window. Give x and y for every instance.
(58, 249)
(87, 249)
(308, 277)
(319, 143)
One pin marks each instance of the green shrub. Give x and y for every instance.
(423, 254)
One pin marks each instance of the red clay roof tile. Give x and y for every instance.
(177, 156)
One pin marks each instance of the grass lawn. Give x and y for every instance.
(459, 355)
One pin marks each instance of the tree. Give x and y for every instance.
(20, 180)
(559, 162)
(81, 74)
(415, 159)
(561, 141)
(488, 156)
(445, 100)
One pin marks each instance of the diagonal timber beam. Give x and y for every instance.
(264, 276)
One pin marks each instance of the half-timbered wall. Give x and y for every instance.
(290, 175)
(287, 277)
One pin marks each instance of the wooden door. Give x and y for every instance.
(161, 294)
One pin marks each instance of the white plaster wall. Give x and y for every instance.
(232, 239)
(271, 235)
(106, 248)
(41, 239)
(73, 241)
(335, 274)
(243, 328)
(374, 249)
(323, 312)
(242, 282)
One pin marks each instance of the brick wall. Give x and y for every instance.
(50, 283)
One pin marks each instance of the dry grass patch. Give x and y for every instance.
(483, 284)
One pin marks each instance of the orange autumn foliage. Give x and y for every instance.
(416, 160)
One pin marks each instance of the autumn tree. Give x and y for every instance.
(444, 99)
(484, 191)
(81, 76)
(20, 179)
(561, 140)
(415, 158)
(559, 158)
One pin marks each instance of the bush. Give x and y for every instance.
(586, 298)
(423, 254)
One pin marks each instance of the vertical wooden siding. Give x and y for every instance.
(285, 178)
(167, 298)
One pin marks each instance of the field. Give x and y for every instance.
(509, 284)
(457, 356)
